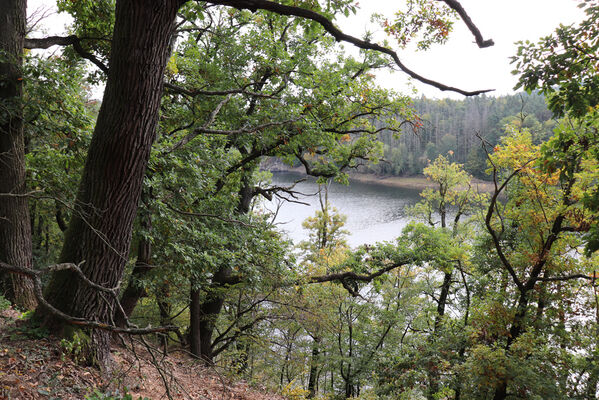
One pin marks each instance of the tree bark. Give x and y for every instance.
(314, 364)
(15, 225)
(99, 232)
(516, 330)
(195, 341)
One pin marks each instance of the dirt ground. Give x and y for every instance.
(34, 366)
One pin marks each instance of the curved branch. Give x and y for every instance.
(340, 36)
(37, 290)
(457, 7)
(352, 276)
(72, 40)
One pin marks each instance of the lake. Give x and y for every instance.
(374, 212)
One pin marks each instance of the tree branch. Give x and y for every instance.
(197, 92)
(283, 9)
(352, 276)
(457, 7)
(35, 276)
(72, 40)
(566, 278)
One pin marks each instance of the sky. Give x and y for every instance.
(459, 62)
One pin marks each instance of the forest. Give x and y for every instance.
(460, 126)
(134, 223)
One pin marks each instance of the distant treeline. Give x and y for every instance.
(453, 127)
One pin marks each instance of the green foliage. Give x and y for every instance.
(30, 327)
(4, 303)
(423, 21)
(563, 65)
(93, 21)
(75, 346)
(292, 93)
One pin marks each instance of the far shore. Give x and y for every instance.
(405, 182)
(412, 182)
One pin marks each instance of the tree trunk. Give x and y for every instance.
(215, 299)
(195, 341)
(99, 233)
(433, 374)
(15, 225)
(135, 290)
(164, 308)
(314, 361)
(209, 310)
(516, 330)
(143, 265)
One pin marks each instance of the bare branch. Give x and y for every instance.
(566, 278)
(37, 289)
(72, 40)
(457, 7)
(246, 130)
(215, 216)
(352, 276)
(197, 92)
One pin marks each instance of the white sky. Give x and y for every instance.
(458, 63)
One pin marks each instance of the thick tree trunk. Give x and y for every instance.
(99, 232)
(15, 225)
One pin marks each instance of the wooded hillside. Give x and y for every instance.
(136, 220)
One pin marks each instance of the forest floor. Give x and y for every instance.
(34, 366)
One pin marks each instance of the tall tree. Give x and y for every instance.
(15, 228)
(99, 232)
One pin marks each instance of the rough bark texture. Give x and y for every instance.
(195, 341)
(15, 228)
(99, 232)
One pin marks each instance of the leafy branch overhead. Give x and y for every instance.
(433, 23)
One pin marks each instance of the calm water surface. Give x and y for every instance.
(374, 212)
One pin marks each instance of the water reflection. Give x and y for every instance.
(374, 212)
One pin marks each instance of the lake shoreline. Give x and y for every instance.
(398, 182)
(412, 182)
